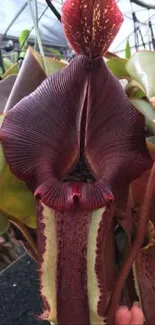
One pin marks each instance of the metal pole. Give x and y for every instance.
(1, 61)
(53, 9)
(145, 4)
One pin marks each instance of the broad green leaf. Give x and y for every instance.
(110, 55)
(4, 224)
(128, 50)
(7, 63)
(141, 67)
(14, 69)
(23, 39)
(15, 57)
(15, 199)
(133, 90)
(118, 67)
(55, 52)
(146, 109)
(53, 65)
(139, 94)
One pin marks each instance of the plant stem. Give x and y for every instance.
(35, 22)
(36, 19)
(33, 26)
(1, 61)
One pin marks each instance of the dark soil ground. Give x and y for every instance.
(19, 293)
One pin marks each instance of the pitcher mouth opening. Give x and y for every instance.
(79, 189)
(80, 173)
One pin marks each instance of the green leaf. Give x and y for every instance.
(4, 224)
(23, 39)
(14, 69)
(52, 64)
(7, 63)
(141, 68)
(139, 94)
(146, 109)
(133, 90)
(118, 67)
(15, 199)
(128, 50)
(110, 55)
(55, 52)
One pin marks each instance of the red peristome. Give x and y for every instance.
(65, 196)
(41, 238)
(42, 248)
(105, 267)
(91, 25)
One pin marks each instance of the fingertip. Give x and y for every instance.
(123, 316)
(137, 317)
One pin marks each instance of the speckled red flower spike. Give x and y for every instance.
(77, 142)
(91, 26)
